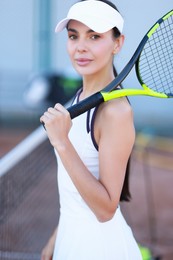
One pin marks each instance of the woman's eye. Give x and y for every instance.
(95, 37)
(72, 37)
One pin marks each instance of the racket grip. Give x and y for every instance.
(85, 105)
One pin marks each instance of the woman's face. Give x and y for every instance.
(90, 52)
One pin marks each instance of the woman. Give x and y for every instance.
(93, 149)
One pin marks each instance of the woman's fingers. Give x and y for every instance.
(49, 114)
(58, 108)
(57, 116)
(61, 109)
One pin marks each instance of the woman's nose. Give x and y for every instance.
(81, 47)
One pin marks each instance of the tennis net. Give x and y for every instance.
(27, 186)
(29, 205)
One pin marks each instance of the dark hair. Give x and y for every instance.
(125, 194)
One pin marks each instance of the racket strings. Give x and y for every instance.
(156, 60)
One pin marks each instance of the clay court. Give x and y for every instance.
(29, 202)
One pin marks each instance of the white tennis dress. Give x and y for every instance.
(80, 235)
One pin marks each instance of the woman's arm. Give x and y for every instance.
(47, 252)
(115, 136)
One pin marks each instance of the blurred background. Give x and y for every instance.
(31, 52)
(35, 72)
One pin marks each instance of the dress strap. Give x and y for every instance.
(75, 99)
(91, 114)
(90, 118)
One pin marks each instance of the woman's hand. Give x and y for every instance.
(57, 123)
(47, 252)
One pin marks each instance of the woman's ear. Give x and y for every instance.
(118, 44)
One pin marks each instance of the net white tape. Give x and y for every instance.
(22, 149)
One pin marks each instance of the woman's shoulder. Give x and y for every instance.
(116, 109)
(115, 116)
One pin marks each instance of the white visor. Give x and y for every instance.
(98, 16)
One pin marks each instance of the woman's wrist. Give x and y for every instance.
(62, 146)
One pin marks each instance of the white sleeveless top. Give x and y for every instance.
(80, 235)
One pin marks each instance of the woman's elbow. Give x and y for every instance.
(106, 215)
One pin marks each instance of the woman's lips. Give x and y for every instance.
(83, 61)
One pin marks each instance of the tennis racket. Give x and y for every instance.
(153, 61)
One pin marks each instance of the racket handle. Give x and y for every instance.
(85, 105)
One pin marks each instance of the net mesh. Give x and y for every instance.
(26, 216)
(29, 205)
(156, 61)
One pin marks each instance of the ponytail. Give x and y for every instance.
(125, 194)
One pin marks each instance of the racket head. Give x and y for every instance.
(154, 66)
(148, 89)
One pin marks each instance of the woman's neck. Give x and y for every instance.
(93, 84)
